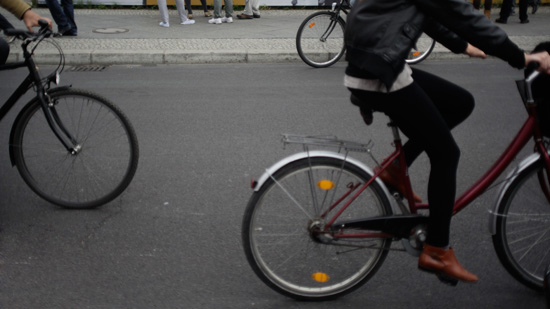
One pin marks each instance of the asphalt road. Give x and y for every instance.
(172, 240)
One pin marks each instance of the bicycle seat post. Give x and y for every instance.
(395, 131)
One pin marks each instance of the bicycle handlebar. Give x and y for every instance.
(25, 34)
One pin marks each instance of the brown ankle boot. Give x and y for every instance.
(443, 262)
(390, 177)
(487, 13)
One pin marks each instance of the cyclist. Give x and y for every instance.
(22, 11)
(379, 35)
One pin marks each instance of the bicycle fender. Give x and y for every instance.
(30, 104)
(256, 185)
(524, 164)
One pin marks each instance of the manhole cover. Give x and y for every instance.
(110, 30)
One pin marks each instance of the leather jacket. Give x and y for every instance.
(380, 33)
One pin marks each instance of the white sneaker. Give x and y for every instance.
(227, 19)
(163, 24)
(215, 21)
(188, 22)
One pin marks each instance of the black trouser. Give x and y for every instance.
(190, 10)
(506, 9)
(4, 51)
(487, 6)
(425, 112)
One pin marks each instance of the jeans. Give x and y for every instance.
(218, 8)
(64, 18)
(4, 23)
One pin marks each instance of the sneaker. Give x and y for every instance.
(215, 21)
(163, 24)
(207, 14)
(188, 22)
(227, 20)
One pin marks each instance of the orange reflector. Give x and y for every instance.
(416, 54)
(311, 25)
(320, 277)
(325, 184)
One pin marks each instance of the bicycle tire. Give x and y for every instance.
(99, 172)
(277, 237)
(311, 45)
(422, 49)
(522, 239)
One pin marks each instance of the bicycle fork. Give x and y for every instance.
(54, 121)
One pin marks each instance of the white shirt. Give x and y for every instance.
(403, 80)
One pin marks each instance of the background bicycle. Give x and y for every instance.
(320, 38)
(72, 147)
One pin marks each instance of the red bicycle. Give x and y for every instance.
(320, 223)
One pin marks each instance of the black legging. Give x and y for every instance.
(425, 112)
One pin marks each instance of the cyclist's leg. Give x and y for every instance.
(420, 120)
(453, 102)
(4, 51)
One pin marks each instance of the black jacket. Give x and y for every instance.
(380, 33)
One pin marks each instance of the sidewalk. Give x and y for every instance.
(134, 37)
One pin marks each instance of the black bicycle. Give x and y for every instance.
(72, 147)
(320, 38)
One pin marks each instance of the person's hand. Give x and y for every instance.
(543, 59)
(31, 19)
(474, 52)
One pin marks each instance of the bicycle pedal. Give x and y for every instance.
(448, 280)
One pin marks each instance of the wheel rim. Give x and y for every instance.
(293, 260)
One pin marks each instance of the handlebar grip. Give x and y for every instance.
(532, 66)
(42, 23)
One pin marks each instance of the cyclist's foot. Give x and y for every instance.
(444, 264)
(390, 177)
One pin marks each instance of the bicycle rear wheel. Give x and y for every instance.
(522, 241)
(99, 172)
(422, 49)
(283, 234)
(320, 39)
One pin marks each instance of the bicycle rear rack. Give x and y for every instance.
(326, 141)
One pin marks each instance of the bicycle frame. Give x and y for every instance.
(530, 129)
(60, 131)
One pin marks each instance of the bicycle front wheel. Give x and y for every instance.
(103, 166)
(522, 240)
(283, 234)
(422, 49)
(320, 39)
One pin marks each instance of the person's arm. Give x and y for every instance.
(30, 18)
(23, 11)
